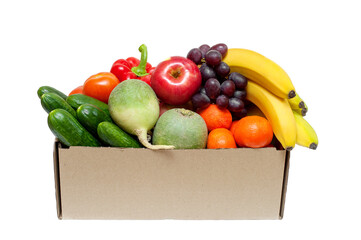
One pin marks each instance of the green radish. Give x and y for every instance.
(134, 107)
(181, 128)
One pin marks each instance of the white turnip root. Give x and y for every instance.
(134, 107)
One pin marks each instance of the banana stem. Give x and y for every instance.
(301, 104)
(313, 146)
(292, 94)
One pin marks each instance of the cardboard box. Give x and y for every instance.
(116, 183)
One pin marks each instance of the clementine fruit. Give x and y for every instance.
(253, 131)
(233, 126)
(216, 117)
(221, 138)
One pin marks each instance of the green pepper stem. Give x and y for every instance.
(140, 69)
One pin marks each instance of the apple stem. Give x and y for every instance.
(176, 73)
(140, 69)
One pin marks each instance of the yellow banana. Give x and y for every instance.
(296, 102)
(298, 105)
(306, 135)
(261, 70)
(301, 111)
(277, 111)
(305, 106)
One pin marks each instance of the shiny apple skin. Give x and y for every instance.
(176, 80)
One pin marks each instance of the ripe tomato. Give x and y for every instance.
(100, 85)
(76, 90)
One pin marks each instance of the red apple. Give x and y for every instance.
(176, 80)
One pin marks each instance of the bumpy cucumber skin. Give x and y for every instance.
(90, 116)
(111, 134)
(51, 101)
(47, 89)
(69, 131)
(76, 100)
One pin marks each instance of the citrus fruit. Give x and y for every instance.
(216, 117)
(221, 138)
(253, 131)
(233, 126)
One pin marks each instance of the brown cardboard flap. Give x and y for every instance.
(115, 183)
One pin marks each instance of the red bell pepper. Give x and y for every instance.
(132, 68)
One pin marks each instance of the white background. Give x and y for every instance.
(62, 43)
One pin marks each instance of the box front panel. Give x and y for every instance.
(113, 183)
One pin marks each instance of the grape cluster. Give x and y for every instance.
(219, 86)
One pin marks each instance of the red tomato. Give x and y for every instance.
(76, 90)
(100, 85)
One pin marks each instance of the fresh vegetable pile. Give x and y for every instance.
(214, 97)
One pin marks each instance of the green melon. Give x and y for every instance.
(181, 128)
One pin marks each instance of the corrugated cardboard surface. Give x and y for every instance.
(115, 183)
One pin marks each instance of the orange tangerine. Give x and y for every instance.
(216, 117)
(253, 131)
(221, 138)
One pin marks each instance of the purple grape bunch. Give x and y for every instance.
(219, 86)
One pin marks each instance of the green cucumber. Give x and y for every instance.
(47, 89)
(114, 136)
(90, 116)
(76, 100)
(69, 131)
(51, 101)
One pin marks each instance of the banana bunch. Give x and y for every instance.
(271, 90)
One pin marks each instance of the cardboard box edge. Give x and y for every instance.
(57, 145)
(57, 178)
(284, 185)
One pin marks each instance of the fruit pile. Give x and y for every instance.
(214, 97)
